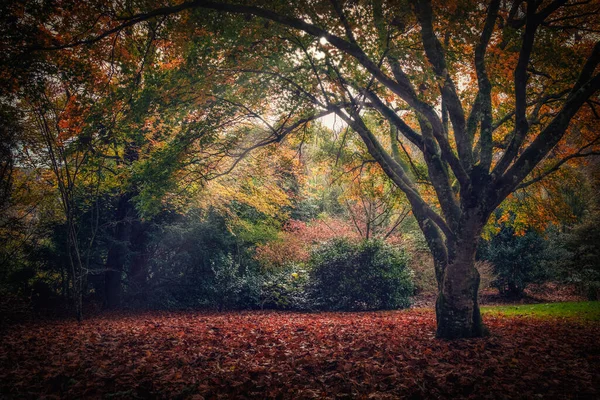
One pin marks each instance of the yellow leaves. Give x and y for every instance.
(256, 182)
(265, 198)
(504, 218)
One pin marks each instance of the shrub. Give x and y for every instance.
(421, 264)
(582, 265)
(231, 287)
(518, 259)
(369, 275)
(197, 262)
(284, 289)
(296, 240)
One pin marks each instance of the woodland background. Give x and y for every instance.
(135, 174)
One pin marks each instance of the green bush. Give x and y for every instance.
(197, 263)
(370, 275)
(232, 287)
(582, 265)
(284, 289)
(518, 259)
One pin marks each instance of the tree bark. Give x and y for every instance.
(457, 307)
(138, 268)
(120, 248)
(117, 254)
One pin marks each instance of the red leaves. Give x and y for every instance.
(270, 354)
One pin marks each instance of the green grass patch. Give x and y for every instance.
(586, 310)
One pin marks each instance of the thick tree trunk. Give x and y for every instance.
(457, 307)
(118, 252)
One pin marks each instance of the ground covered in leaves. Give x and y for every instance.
(289, 355)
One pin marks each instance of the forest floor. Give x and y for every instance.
(371, 355)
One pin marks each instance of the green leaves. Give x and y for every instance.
(369, 275)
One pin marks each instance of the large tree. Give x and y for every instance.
(480, 93)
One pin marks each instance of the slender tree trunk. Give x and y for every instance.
(77, 270)
(115, 261)
(76, 280)
(138, 269)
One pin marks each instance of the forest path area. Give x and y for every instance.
(298, 355)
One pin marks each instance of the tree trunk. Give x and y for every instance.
(119, 250)
(117, 254)
(138, 268)
(457, 308)
(112, 277)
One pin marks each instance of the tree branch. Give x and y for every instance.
(547, 139)
(520, 82)
(435, 54)
(394, 171)
(556, 167)
(485, 88)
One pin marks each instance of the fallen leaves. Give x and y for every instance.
(291, 355)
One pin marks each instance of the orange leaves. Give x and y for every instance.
(172, 64)
(71, 120)
(295, 241)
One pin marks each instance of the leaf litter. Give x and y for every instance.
(374, 355)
